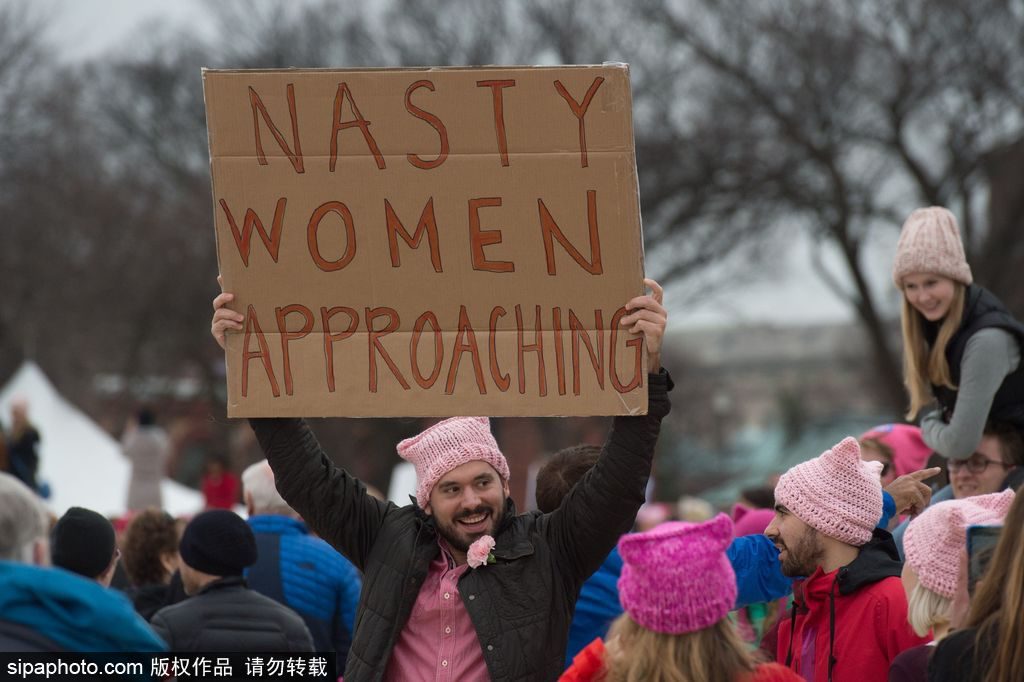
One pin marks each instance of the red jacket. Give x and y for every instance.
(857, 614)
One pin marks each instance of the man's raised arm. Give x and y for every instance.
(334, 504)
(603, 505)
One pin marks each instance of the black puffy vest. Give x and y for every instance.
(981, 311)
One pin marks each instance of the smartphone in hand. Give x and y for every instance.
(981, 543)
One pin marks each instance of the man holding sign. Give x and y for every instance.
(435, 242)
(424, 613)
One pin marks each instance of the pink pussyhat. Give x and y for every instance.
(935, 540)
(447, 445)
(676, 578)
(750, 521)
(909, 453)
(836, 493)
(930, 243)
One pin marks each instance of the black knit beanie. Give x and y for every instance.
(218, 542)
(82, 542)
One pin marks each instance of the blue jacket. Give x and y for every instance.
(73, 612)
(597, 606)
(755, 560)
(305, 573)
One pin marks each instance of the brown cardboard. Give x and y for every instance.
(429, 148)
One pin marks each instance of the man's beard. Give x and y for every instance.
(803, 556)
(459, 539)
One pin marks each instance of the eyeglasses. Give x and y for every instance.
(976, 465)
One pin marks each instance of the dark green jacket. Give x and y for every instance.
(522, 605)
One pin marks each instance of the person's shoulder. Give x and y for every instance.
(525, 524)
(886, 589)
(268, 605)
(954, 656)
(277, 524)
(912, 660)
(990, 339)
(886, 594)
(318, 551)
(956, 643)
(169, 616)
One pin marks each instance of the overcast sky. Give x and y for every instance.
(789, 292)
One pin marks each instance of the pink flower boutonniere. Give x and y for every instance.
(479, 553)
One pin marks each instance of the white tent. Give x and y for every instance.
(80, 461)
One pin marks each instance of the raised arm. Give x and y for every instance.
(334, 504)
(603, 505)
(989, 356)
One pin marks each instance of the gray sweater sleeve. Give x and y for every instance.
(990, 355)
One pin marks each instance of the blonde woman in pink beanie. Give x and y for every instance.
(849, 615)
(934, 572)
(961, 346)
(677, 588)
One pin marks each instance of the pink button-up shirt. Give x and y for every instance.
(438, 642)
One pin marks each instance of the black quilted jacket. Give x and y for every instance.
(228, 616)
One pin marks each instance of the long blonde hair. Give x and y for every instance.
(924, 365)
(714, 654)
(997, 604)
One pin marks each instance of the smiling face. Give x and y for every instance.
(967, 483)
(929, 294)
(801, 549)
(467, 503)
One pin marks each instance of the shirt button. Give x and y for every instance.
(472, 596)
(448, 631)
(448, 595)
(444, 664)
(490, 647)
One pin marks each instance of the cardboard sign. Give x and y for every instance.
(428, 242)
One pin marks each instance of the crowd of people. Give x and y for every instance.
(896, 555)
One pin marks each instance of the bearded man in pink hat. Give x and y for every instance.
(458, 586)
(849, 616)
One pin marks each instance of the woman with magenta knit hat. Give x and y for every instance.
(934, 573)
(677, 588)
(849, 616)
(961, 346)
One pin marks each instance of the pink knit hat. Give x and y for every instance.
(676, 578)
(930, 242)
(836, 493)
(909, 453)
(750, 521)
(935, 540)
(449, 444)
